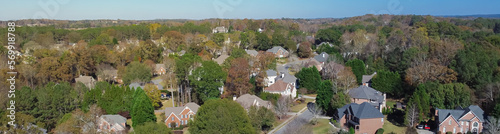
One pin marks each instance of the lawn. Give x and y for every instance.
(391, 103)
(166, 103)
(299, 107)
(186, 131)
(389, 127)
(322, 127)
(278, 122)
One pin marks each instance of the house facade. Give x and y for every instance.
(112, 124)
(271, 77)
(284, 83)
(367, 94)
(364, 118)
(220, 30)
(460, 120)
(160, 69)
(177, 116)
(279, 52)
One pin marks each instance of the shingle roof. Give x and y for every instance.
(367, 78)
(112, 119)
(459, 112)
(193, 106)
(278, 86)
(364, 92)
(159, 66)
(157, 83)
(252, 52)
(175, 110)
(135, 85)
(275, 49)
(221, 59)
(321, 57)
(288, 78)
(361, 111)
(271, 73)
(84, 79)
(248, 100)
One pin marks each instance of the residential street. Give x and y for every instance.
(300, 120)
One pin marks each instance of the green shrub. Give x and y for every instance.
(380, 131)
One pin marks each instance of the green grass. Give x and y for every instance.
(166, 103)
(391, 103)
(185, 130)
(299, 107)
(389, 127)
(322, 127)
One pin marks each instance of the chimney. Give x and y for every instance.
(324, 55)
(234, 97)
(282, 75)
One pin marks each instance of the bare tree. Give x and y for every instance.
(492, 125)
(88, 122)
(411, 115)
(106, 72)
(316, 112)
(282, 106)
(491, 90)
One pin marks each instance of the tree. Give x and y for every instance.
(387, 82)
(207, 80)
(358, 68)
(149, 50)
(238, 80)
(137, 71)
(325, 94)
(329, 35)
(80, 122)
(183, 67)
(316, 112)
(339, 99)
(262, 118)
(142, 110)
(492, 125)
(345, 79)
(496, 29)
(174, 39)
(309, 78)
(152, 128)
(282, 106)
(422, 100)
(154, 94)
(218, 116)
(449, 95)
(218, 38)
(263, 41)
(278, 39)
(411, 117)
(429, 72)
(304, 50)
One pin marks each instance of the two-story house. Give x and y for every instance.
(367, 94)
(160, 69)
(364, 118)
(177, 116)
(271, 77)
(112, 124)
(460, 120)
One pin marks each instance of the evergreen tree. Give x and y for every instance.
(142, 110)
(358, 68)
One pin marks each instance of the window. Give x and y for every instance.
(467, 123)
(182, 122)
(454, 131)
(449, 122)
(444, 129)
(169, 125)
(172, 118)
(475, 124)
(462, 122)
(382, 119)
(461, 130)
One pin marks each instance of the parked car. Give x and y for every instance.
(420, 126)
(426, 127)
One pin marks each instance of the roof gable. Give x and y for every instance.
(361, 111)
(279, 86)
(364, 92)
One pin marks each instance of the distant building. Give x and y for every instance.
(373, 97)
(460, 120)
(88, 81)
(247, 100)
(252, 53)
(112, 124)
(220, 30)
(313, 62)
(271, 77)
(180, 115)
(367, 79)
(364, 118)
(279, 51)
(160, 69)
(136, 85)
(322, 58)
(221, 59)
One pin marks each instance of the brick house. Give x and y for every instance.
(367, 94)
(285, 84)
(460, 120)
(279, 51)
(364, 118)
(112, 124)
(160, 69)
(180, 115)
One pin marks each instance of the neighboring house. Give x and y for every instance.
(180, 115)
(278, 51)
(271, 77)
(364, 118)
(288, 78)
(460, 120)
(160, 69)
(247, 100)
(321, 58)
(260, 30)
(136, 85)
(221, 59)
(324, 43)
(109, 74)
(283, 88)
(220, 30)
(112, 124)
(252, 53)
(313, 62)
(373, 97)
(367, 79)
(88, 81)
(157, 83)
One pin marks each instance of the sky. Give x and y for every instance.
(235, 9)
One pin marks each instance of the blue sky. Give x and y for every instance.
(235, 9)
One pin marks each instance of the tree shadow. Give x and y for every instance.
(397, 117)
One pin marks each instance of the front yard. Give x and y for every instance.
(299, 107)
(390, 127)
(322, 127)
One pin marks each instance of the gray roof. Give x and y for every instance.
(193, 106)
(111, 119)
(321, 57)
(248, 100)
(288, 78)
(157, 83)
(221, 59)
(159, 66)
(367, 78)
(459, 112)
(252, 52)
(275, 49)
(271, 73)
(177, 110)
(85, 79)
(364, 92)
(361, 111)
(135, 85)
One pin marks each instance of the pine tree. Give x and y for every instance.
(142, 110)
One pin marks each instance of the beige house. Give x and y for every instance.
(364, 118)
(247, 101)
(88, 81)
(112, 124)
(460, 120)
(279, 52)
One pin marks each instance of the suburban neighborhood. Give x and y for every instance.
(248, 67)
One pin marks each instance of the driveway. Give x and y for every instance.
(422, 131)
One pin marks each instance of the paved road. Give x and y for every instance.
(301, 120)
(421, 131)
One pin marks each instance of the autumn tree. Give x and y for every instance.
(207, 79)
(262, 118)
(304, 50)
(149, 50)
(282, 106)
(430, 72)
(154, 94)
(345, 79)
(238, 80)
(174, 39)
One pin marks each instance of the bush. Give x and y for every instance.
(449, 133)
(351, 131)
(269, 96)
(380, 131)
